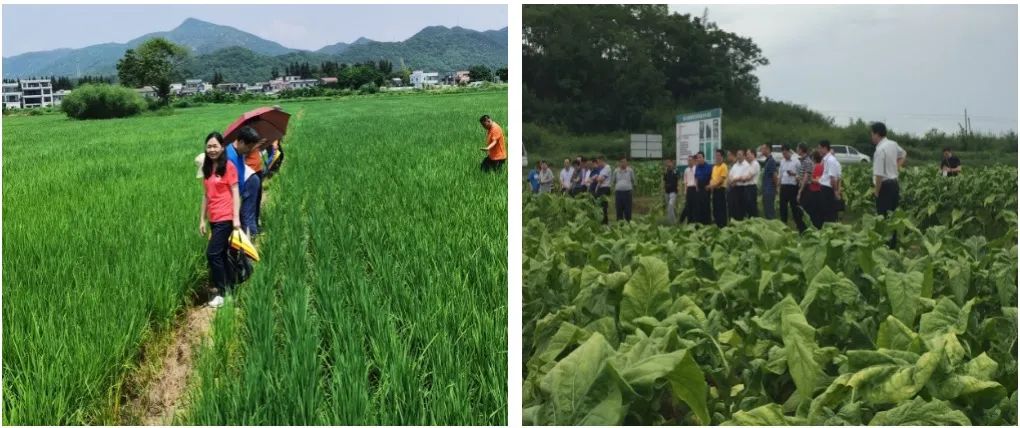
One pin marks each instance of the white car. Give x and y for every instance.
(843, 154)
(848, 155)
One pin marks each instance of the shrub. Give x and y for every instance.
(368, 88)
(102, 102)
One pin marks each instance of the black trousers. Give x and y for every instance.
(216, 254)
(788, 198)
(690, 205)
(602, 196)
(719, 206)
(736, 199)
(490, 165)
(751, 200)
(704, 213)
(827, 205)
(258, 202)
(624, 204)
(811, 201)
(888, 200)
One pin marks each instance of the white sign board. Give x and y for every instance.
(645, 146)
(698, 132)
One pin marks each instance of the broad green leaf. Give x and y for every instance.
(904, 290)
(893, 334)
(893, 383)
(582, 388)
(730, 280)
(765, 282)
(920, 412)
(829, 282)
(647, 291)
(799, 343)
(767, 415)
(959, 279)
(947, 317)
(684, 376)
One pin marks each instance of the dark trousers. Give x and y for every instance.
(751, 201)
(827, 205)
(812, 201)
(258, 203)
(736, 199)
(887, 202)
(578, 189)
(249, 205)
(719, 206)
(704, 213)
(768, 201)
(490, 165)
(216, 254)
(624, 204)
(602, 196)
(690, 205)
(788, 199)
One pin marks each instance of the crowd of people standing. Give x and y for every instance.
(806, 181)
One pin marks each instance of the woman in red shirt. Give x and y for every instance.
(810, 199)
(221, 206)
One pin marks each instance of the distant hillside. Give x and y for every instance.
(437, 48)
(216, 46)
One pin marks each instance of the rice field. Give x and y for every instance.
(380, 297)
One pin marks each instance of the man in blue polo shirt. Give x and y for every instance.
(248, 182)
(703, 175)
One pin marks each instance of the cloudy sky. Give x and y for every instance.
(916, 67)
(28, 28)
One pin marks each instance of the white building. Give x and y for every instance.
(420, 79)
(36, 93)
(176, 88)
(147, 92)
(257, 88)
(193, 86)
(58, 97)
(12, 95)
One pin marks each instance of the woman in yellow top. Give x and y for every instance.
(717, 185)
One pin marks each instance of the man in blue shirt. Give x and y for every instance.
(769, 182)
(703, 175)
(247, 181)
(533, 179)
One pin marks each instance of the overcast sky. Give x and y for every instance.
(28, 28)
(916, 67)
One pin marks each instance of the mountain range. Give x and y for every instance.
(242, 56)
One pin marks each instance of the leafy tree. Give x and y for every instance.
(217, 79)
(503, 74)
(608, 67)
(156, 62)
(480, 73)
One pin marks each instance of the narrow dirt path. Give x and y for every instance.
(162, 394)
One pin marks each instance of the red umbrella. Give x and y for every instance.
(269, 122)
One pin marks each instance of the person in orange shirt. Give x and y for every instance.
(495, 145)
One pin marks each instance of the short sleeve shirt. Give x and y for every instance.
(886, 153)
(219, 196)
(952, 162)
(498, 150)
(831, 171)
(769, 171)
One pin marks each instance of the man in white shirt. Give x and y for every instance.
(889, 156)
(749, 182)
(736, 196)
(788, 189)
(565, 174)
(602, 189)
(690, 211)
(832, 173)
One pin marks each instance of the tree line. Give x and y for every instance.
(608, 67)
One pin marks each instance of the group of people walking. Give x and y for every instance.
(805, 181)
(233, 173)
